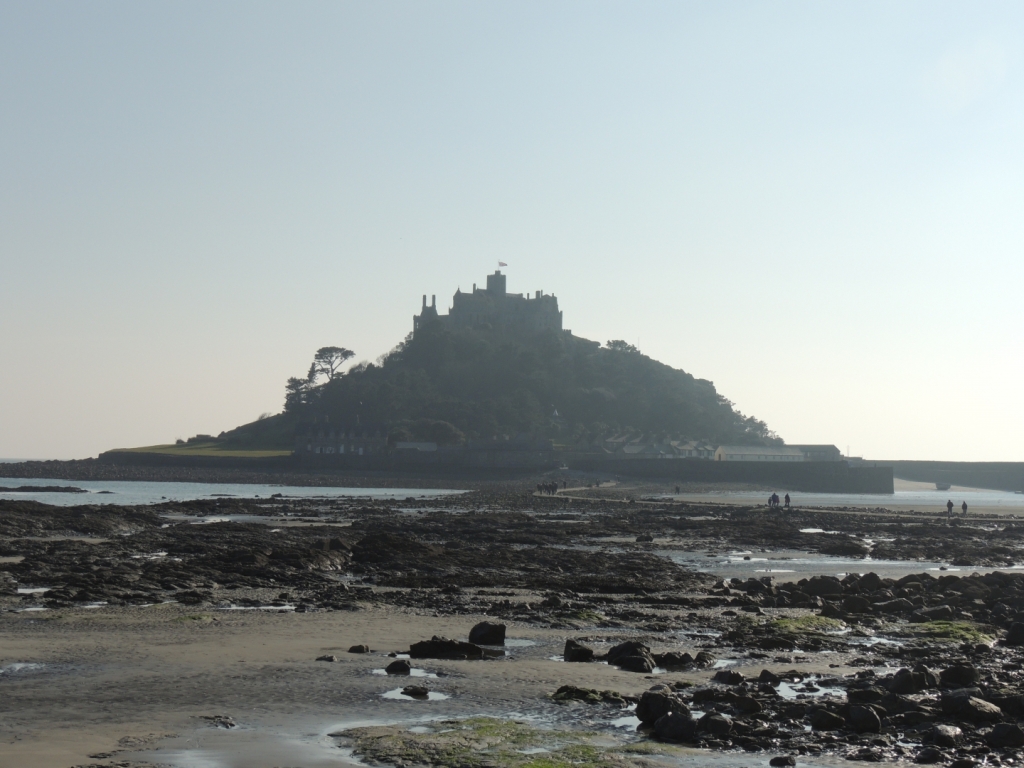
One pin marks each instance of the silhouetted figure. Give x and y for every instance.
(770, 503)
(949, 508)
(964, 508)
(787, 501)
(677, 489)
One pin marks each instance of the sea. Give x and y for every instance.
(137, 492)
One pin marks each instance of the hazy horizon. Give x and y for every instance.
(816, 207)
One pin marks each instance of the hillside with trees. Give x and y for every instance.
(446, 385)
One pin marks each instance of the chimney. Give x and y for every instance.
(538, 295)
(424, 301)
(433, 302)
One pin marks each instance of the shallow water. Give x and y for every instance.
(921, 500)
(144, 492)
(792, 565)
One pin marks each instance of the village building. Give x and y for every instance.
(354, 440)
(819, 452)
(493, 308)
(758, 453)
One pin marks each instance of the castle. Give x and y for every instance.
(494, 308)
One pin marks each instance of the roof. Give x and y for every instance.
(761, 450)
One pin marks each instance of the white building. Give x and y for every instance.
(758, 453)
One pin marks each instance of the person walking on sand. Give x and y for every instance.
(787, 501)
(964, 507)
(949, 508)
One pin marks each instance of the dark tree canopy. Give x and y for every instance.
(450, 383)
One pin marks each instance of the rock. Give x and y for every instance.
(782, 761)
(748, 705)
(416, 691)
(864, 720)
(443, 648)
(359, 649)
(978, 710)
(575, 651)
(673, 660)
(715, 724)
(769, 677)
(1015, 635)
(823, 720)
(328, 657)
(869, 582)
(487, 633)
(1006, 735)
(657, 703)
(946, 735)
(632, 656)
(219, 721)
(929, 755)
(398, 667)
(728, 677)
(959, 676)
(938, 613)
(644, 538)
(676, 726)
(588, 695)
(823, 586)
(899, 605)
(928, 676)
(856, 604)
(704, 659)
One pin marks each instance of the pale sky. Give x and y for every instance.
(817, 206)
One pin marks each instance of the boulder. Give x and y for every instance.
(937, 613)
(632, 656)
(487, 633)
(959, 676)
(398, 667)
(675, 726)
(328, 657)
(869, 582)
(443, 648)
(899, 605)
(416, 691)
(856, 604)
(929, 755)
(1006, 735)
(575, 651)
(704, 659)
(823, 586)
(658, 702)
(864, 719)
(673, 660)
(1015, 635)
(715, 724)
(782, 761)
(359, 649)
(946, 735)
(769, 677)
(728, 677)
(978, 710)
(823, 720)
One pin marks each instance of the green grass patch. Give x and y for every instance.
(586, 615)
(481, 742)
(203, 449)
(808, 623)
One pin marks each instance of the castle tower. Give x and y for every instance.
(496, 283)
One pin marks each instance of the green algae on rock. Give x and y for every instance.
(485, 742)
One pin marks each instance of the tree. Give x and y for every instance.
(327, 362)
(295, 394)
(620, 346)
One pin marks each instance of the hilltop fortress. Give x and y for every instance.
(494, 308)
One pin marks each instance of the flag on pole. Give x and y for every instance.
(502, 264)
